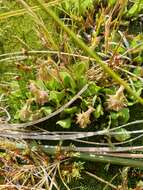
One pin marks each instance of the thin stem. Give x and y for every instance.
(106, 144)
(101, 180)
(21, 12)
(127, 124)
(35, 52)
(100, 158)
(7, 113)
(132, 74)
(62, 177)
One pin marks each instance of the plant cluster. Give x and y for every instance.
(43, 83)
(80, 44)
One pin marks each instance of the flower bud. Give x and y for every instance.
(83, 119)
(118, 101)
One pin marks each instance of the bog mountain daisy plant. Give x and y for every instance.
(70, 83)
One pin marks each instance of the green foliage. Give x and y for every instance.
(47, 110)
(65, 123)
(109, 61)
(67, 80)
(124, 135)
(54, 85)
(111, 2)
(77, 7)
(136, 8)
(120, 117)
(92, 90)
(71, 110)
(56, 97)
(98, 111)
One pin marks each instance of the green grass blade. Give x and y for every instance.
(21, 12)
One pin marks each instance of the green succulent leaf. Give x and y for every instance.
(123, 136)
(98, 111)
(65, 123)
(136, 8)
(67, 80)
(111, 2)
(93, 89)
(120, 117)
(47, 110)
(77, 7)
(53, 85)
(124, 115)
(56, 97)
(71, 110)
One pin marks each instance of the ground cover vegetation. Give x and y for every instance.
(71, 94)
